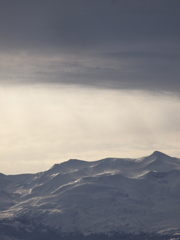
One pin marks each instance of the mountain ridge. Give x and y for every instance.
(111, 194)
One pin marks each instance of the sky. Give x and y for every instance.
(87, 80)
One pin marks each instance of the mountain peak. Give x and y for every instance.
(159, 154)
(75, 163)
(74, 160)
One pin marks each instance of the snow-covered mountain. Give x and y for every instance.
(109, 195)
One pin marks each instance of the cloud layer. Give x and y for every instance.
(112, 44)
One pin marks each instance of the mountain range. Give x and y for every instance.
(109, 197)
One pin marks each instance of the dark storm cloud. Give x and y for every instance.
(130, 44)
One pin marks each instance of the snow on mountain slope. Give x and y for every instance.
(161, 162)
(129, 195)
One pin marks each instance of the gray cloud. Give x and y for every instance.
(113, 44)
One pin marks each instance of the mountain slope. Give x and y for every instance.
(113, 194)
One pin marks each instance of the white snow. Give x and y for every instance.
(114, 193)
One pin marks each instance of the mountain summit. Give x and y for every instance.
(112, 194)
(159, 154)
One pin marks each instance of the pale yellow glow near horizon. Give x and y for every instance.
(44, 125)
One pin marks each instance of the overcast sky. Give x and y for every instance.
(87, 79)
